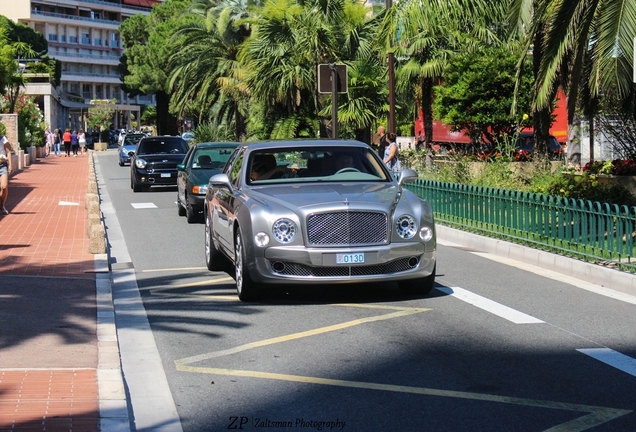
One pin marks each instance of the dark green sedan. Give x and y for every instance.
(202, 161)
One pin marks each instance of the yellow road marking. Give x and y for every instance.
(293, 336)
(596, 415)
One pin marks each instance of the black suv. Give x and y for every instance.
(155, 162)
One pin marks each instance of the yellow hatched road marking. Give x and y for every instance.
(596, 415)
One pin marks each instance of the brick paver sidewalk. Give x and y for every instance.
(48, 341)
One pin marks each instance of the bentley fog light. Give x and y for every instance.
(261, 239)
(426, 233)
(284, 230)
(406, 227)
(141, 163)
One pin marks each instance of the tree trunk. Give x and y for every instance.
(427, 109)
(542, 118)
(574, 143)
(166, 122)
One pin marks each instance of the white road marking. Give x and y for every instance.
(67, 203)
(138, 206)
(607, 292)
(490, 306)
(612, 358)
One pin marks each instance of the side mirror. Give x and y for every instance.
(220, 180)
(407, 176)
(180, 167)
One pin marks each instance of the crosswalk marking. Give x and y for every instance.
(138, 206)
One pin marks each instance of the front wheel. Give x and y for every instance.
(246, 288)
(136, 187)
(418, 286)
(214, 259)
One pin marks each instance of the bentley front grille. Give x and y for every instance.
(347, 228)
(295, 269)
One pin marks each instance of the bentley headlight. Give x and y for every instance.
(140, 163)
(406, 227)
(261, 239)
(285, 230)
(426, 233)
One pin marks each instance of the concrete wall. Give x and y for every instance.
(11, 122)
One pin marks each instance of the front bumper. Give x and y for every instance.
(292, 265)
(157, 178)
(196, 201)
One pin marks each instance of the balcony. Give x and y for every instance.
(36, 12)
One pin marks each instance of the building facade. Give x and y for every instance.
(84, 36)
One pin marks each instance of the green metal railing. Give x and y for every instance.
(591, 231)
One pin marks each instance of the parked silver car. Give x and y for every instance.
(316, 212)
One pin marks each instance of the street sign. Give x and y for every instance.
(325, 78)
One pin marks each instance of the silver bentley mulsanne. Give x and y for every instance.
(317, 212)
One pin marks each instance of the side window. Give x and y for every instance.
(234, 172)
(186, 159)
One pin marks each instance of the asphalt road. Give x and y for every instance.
(495, 347)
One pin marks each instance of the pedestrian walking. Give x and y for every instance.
(381, 139)
(391, 155)
(74, 143)
(57, 142)
(48, 136)
(81, 138)
(66, 137)
(6, 168)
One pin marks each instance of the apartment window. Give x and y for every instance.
(99, 92)
(52, 37)
(72, 39)
(97, 42)
(63, 38)
(87, 91)
(86, 39)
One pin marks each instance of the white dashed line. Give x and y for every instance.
(139, 206)
(612, 358)
(490, 306)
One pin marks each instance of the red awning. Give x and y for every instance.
(132, 2)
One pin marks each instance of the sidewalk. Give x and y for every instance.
(51, 342)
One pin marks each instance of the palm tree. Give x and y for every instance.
(205, 72)
(289, 39)
(431, 32)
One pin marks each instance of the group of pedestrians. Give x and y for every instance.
(74, 142)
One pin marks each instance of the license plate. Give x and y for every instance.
(165, 174)
(350, 258)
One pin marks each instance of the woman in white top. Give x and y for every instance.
(81, 138)
(391, 155)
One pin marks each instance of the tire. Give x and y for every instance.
(136, 187)
(121, 163)
(180, 210)
(191, 216)
(418, 286)
(214, 259)
(246, 288)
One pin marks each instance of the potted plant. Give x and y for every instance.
(99, 117)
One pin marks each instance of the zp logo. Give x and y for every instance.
(237, 422)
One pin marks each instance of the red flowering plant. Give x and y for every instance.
(618, 167)
(31, 124)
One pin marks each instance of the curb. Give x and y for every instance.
(610, 278)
